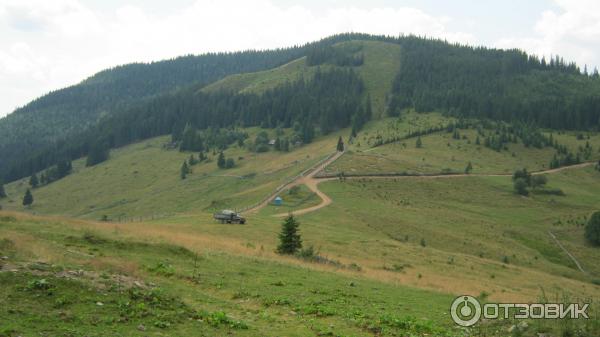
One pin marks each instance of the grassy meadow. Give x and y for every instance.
(440, 152)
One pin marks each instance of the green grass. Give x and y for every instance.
(294, 199)
(211, 293)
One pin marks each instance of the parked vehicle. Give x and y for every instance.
(228, 216)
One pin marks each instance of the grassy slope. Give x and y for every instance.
(377, 226)
(441, 152)
(143, 180)
(267, 297)
(381, 60)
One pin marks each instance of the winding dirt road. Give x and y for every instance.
(312, 181)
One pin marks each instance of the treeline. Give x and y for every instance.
(504, 85)
(326, 102)
(337, 56)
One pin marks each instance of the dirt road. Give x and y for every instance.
(312, 182)
(308, 180)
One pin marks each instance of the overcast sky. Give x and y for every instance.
(46, 45)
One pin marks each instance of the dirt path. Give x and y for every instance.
(312, 182)
(566, 251)
(308, 180)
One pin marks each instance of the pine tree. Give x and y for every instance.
(340, 144)
(192, 161)
(285, 146)
(369, 108)
(277, 144)
(469, 168)
(33, 181)
(28, 198)
(221, 160)
(183, 172)
(419, 143)
(289, 238)
(2, 191)
(99, 152)
(592, 229)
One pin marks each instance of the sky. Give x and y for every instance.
(47, 45)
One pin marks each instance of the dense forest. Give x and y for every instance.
(497, 84)
(134, 102)
(330, 100)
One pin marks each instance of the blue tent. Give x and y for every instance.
(277, 201)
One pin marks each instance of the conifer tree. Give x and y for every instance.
(99, 152)
(33, 181)
(2, 191)
(289, 238)
(469, 168)
(221, 160)
(592, 229)
(419, 142)
(369, 108)
(28, 198)
(192, 161)
(183, 172)
(285, 145)
(277, 144)
(340, 144)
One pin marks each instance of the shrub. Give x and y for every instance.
(40, 284)
(538, 181)
(163, 268)
(520, 186)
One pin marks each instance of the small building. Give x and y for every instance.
(277, 201)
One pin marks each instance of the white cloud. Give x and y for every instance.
(573, 33)
(45, 45)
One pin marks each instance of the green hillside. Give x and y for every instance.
(381, 62)
(376, 224)
(145, 177)
(415, 206)
(441, 152)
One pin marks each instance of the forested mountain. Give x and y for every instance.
(497, 84)
(329, 100)
(62, 113)
(138, 101)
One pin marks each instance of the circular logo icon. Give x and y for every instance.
(465, 310)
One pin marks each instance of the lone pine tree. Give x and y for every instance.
(340, 144)
(183, 172)
(28, 198)
(289, 238)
